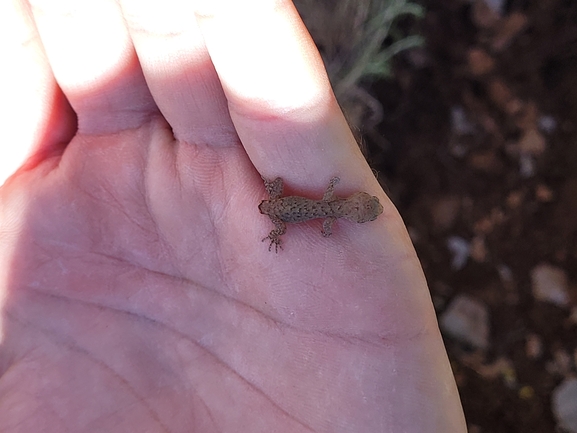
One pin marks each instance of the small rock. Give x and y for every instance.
(488, 223)
(528, 117)
(497, 6)
(533, 346)
(483, 16)
(460, 123)
(486, 161)
(467, 320)
(503, 97)
(550, 284)
(445, 211)
(532, 143)
(562, 361)
(526, 165)
(509, 284)
(480, 62)
(515, 199)
(509, 28)
(565, 404)
(506, 274)
(460, 248)
(573, 320)
(473, 428)
(526, 392)
(547, 124)
(478, 250)
(543, 193)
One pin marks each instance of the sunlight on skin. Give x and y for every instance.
(112, 42)
(21, 83)
(11, 160)
(247, 85)
(297, 95)
(26, 122)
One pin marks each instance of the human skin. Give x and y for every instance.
(135, 291)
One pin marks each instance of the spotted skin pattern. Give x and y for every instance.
(359, 207)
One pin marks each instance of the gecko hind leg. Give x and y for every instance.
(274, 235)
(328, 226)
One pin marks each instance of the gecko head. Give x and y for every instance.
(366, 207)
(264, 207)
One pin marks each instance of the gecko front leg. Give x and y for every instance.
(329, 194)
(275, 234)
(273, 188)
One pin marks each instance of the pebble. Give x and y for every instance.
(532, 143)
(467, 320)
(565, 404)
(480, 62)
(550, 284)
(460, 122)
(445, 211)
(563, 361)
(483, 16)
(526, 165)
(460, 249)
(509, 29)
(547, 124)
(478, 249)
(497, 6)
(506, 274)
(543, 193)
(534, 346)
(515, 199)
(503, 97)
(573, 320)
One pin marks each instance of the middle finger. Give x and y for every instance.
(179, 71)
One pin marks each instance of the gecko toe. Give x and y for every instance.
(273, 241)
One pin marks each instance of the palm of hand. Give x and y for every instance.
(147, 290)
(137, 295)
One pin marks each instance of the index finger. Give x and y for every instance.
(279, 95)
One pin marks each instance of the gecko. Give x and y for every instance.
(359, 207)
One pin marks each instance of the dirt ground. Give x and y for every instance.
(478, 143)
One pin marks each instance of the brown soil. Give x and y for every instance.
(507, 181)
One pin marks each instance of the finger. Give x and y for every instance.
(178, 70)
(279, 96)
(35, 118)
(94, 63)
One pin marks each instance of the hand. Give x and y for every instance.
(135, 292)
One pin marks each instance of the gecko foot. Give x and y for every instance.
(273, 240)
(328, 226)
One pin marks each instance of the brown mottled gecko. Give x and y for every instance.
(359, 207)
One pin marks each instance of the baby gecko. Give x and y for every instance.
(359, 207)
